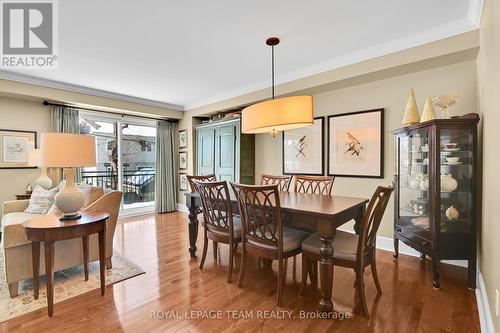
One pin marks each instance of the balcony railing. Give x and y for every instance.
(137, 186)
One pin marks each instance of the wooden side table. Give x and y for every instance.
(49, 229)
(23, 196)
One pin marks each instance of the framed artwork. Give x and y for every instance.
(183, 182)
(302, 149)
(183, 160)
(356, 144)
(14, 148)
(183, 139)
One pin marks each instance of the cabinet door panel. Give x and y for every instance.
(206, 145)
(225, 153)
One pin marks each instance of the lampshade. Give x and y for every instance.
(62, 150)
(280, 114)
(34, 157)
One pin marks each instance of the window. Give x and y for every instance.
(126, 157)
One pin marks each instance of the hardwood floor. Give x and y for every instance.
(173, 283)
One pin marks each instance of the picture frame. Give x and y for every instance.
(14, 148)
(303, 149)
(183, 138)
(183, 160)
(183, 182)
(356, 144)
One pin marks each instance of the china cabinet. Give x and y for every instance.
(436, 191)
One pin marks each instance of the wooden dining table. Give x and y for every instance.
(312, 212)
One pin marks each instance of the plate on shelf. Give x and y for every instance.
(452, 163)
(450, 149)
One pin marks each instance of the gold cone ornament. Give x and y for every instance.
(411, 116)
(428, 112)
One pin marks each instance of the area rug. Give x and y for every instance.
(68, 283)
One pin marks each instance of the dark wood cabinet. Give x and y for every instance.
(436, 208)
(222, 149)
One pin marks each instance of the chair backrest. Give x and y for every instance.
(283, 182)
(206, 178)
(314, 184)
(372, 219)
(217, 209)
(260, 212)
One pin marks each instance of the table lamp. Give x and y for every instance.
(34, 160)
(68, 151)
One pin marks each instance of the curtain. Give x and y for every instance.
(64, 120)
(165, 181)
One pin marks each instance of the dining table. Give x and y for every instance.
(322, 214)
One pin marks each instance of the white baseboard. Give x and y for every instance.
(483, 307)
(387, 244)
(182, 208)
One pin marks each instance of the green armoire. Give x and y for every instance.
(222, 149)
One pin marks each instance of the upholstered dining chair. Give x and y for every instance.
(263, 233)
(220, 225)
(314, 184)
(283, 182)
(205, 178)
(350, 250)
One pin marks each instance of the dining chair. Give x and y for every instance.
(205, 178)
(314, 184)
(283, 182)
(351, 250)
(220, 226)
(263, 233)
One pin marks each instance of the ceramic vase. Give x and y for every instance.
(448, 183)
(452, 213)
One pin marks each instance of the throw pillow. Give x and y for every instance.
(41, 200)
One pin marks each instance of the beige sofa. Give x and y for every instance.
(67, 253)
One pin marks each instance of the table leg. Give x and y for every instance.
(193, 229)
(49, 264)
(35, 257)
(326, 274)
(102, 257)
(359, 219)
(85, 242)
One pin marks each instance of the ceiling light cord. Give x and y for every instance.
(272, 69)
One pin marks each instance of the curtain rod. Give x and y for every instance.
(113, 113)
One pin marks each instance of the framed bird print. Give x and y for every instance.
(302, 149)
(356, 144)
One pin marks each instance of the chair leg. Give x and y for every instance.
(243, 263)
(205, 248)
(230, 269)
(108, 263)
(374, 273)
(305, 266)
(13, 289)
(361, 292)
(215, 250)
(281, 281)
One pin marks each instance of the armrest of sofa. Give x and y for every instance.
(109, 203)
(14, 206)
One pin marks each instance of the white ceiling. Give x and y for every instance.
(191, 53)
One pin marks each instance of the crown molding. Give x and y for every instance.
(23, 78)
(418, 39)
(476, 12)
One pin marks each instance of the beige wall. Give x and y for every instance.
(488, 65)
(390, 94)
(21, 115)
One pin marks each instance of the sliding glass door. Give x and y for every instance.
(138, 161)
(125, 158)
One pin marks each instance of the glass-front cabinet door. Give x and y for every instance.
(414, 168)
(456, 180)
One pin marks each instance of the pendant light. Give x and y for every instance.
(280, 114)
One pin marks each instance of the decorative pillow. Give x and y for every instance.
(41, 200)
